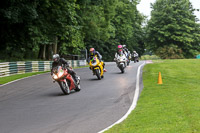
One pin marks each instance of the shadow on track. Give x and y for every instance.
(59, 94)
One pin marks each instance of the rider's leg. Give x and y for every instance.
(73, 74)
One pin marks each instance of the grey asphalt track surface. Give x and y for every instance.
(37, 105)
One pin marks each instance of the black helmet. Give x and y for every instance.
(56, 57)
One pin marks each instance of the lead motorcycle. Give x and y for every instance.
(121, 61)
(65, 80)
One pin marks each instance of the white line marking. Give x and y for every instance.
(134, 103)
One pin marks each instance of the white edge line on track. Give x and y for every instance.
(134, 103)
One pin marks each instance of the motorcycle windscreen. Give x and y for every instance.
(94, 61)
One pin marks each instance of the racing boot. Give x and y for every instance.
(104, 67)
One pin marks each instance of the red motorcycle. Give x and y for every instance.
(65, 80)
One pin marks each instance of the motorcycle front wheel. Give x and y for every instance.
(64, 87)
(78, 86)
(97, 71)
(122, 69)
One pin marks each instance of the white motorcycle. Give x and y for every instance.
(121, 61)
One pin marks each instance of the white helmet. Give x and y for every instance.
(56, 57)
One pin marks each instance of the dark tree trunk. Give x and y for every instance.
(55, 45)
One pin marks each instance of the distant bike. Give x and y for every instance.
(65, 80)
(135, 58)
(97, 67)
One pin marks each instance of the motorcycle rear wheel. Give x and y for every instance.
(65, 88)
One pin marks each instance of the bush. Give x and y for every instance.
(170, 52)
(149, 57)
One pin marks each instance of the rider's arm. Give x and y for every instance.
(99, 55)
(53, 65)
(65, 62)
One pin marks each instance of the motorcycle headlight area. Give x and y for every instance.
(55, 76)
(121, 59)
(94, 63)
(60, 74)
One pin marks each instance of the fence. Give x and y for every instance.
(19, 67)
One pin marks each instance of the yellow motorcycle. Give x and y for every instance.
(97, 67)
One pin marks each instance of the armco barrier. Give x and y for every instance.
(10, 68)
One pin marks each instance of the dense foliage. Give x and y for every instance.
(39, 28)
(172, 31)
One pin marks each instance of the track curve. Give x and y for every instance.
(36, 104)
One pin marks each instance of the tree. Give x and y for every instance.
(127, 22)
(38, 29)
(173, 24)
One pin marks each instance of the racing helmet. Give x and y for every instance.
(56, 57)
(92, 51)
(120, 48)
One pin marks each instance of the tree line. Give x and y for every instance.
(173, 31)
(39, 28)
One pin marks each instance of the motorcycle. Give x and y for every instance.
(65, 80)
(97, 67)
(135, 58)
(121, 61)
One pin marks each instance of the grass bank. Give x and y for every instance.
(149, 57)
(173, 107)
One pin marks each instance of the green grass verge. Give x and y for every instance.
(173, 107)
(4, 80)
(7, 79)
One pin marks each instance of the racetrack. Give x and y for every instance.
(37, 105)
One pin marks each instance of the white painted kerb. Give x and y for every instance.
(134, 103)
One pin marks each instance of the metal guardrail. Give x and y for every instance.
(19, 67)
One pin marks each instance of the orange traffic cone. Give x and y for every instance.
(160, 78)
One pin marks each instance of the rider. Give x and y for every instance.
(119, 50)
(93, 52)
(135, 54)
(125, 50)
(57, 61)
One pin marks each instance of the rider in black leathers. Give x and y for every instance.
(57, 61)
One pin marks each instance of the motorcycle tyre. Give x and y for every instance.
(78, 87)
(97, 71)
(122, 70)
(64, 88)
